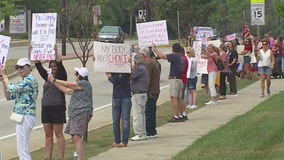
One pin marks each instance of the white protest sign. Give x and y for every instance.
(240, 48)
(4, 47)
(152, 32)
(111, 57)
(43, 36)
(18, 23)
(216, 43)
(202, 63)
(202, 32)
(231, 37)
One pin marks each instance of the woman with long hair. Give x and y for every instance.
(246, 52)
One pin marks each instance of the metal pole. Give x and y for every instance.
(29, 30)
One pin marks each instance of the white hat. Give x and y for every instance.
(23, 61)
(82, 71)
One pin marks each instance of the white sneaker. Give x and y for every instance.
(193, 107)
(211, 103)
(188, 107)
(138, 138)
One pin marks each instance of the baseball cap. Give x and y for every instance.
(23, 61)
(82, 71)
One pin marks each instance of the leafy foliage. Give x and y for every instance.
(8, 7)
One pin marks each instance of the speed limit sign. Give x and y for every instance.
(257, 12)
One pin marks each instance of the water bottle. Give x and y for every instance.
(75, 156)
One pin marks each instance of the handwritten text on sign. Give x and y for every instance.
(111, 57)
(4, 47)
(43, 36)
(152, 32)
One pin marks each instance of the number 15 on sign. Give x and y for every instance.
(257, 14)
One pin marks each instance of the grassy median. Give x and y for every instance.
(100, 140)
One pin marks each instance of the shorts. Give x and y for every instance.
(191, 83)
(247, 59)
(53, 114)
(78, 124)
(204, 79)
(176, 86)
(183, 91)
(264, 70)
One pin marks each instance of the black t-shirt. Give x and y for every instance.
(177, 64)
(233, 54)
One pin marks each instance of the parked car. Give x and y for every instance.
(111, 34)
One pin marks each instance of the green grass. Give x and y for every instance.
(258, 134)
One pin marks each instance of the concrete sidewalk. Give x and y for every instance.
(175, 137)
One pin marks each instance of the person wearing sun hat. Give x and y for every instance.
(80, 109)
(25, 94)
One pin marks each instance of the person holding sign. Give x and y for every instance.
(53, 103)
(211, 55)
(175, 77)
(80, 110)
(25, 94)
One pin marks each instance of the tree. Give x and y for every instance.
(8, 7)
(78, 15)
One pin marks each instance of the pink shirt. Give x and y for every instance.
(211, 65)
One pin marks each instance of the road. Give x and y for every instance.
(101, 91)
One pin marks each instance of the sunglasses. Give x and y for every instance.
(76, 74)
(264, 44)
(187, 52)
(19, 67)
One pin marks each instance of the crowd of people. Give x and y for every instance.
(135, 92)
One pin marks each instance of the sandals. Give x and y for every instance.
(221, 98)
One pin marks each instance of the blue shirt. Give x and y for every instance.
(25, 94)
(177, 65)
(121, 85)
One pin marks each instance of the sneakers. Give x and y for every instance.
(262, 95)
(211, 103)
(138, 138)
(191, 107)
(174, 120)
(185, 118)
(152, 136)
(233, 94)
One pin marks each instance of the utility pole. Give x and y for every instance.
(64, 29)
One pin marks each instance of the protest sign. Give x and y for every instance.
(216, 43)
(111, 57)
(240, 48)
(4, 47)
(231, 37)
(202, 32)
(202, 63)
(43, 36)
(152, 32)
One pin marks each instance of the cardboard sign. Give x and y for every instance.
(111, 57)
(43, 36)
(152, 32)
(4, 47)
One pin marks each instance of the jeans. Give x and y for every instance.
(223, 85)
(150, 113)
(282, 64)
(232, 80)
(139, 120)
(212, 80)
(121, 107)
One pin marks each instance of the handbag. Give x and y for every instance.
(18, 118)
(219, 64)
